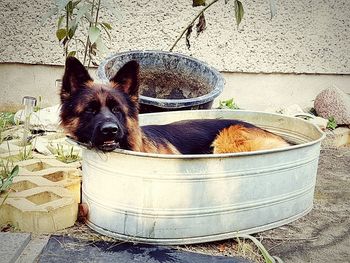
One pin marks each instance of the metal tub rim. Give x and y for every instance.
(221, 155)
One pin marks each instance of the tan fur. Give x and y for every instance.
(70, 127)
(237, 138)
(90, 84)
(135, 136)
(141, 143)
(152, 147)
(127, 82)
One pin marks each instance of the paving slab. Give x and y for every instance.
(33, 249)
(68, 249)
(12, 245)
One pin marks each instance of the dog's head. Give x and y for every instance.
(100, 115)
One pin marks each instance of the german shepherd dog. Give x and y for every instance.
(105, 117)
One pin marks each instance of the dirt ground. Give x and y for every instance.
(324, 234)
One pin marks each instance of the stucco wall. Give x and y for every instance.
(250, 91)
(306, 36)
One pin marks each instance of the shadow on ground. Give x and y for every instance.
(68, 249)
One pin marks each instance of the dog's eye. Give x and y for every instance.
(115, 110)
(91, 110)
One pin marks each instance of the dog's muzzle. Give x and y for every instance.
(109, 135)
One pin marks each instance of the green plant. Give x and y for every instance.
(38, 106)
(201, 22)
(83, 16)
(2, 137)
(332, 123)
(6, 177)
(69, 156)
(6, 121)
(228, 104)
(26, 152)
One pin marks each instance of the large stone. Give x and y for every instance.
(333, 102)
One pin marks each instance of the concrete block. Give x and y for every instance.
(12, 245)
(44, 196)
(69, 179)
(40, 209)
(35, 165)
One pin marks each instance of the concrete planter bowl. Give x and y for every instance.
(184, 199)
(168, 81)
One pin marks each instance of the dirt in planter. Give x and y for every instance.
(171, 85)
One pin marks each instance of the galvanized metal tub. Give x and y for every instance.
(183, 199)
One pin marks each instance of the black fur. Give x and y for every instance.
(190, 136)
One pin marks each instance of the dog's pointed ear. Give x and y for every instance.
(75, 77)
(127, 79)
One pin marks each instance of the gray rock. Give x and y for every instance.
(333, 102)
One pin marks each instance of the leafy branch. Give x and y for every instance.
(188, 29)
(201, 24)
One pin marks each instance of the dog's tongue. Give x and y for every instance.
(109, 142)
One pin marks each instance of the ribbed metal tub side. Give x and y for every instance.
(174, 199)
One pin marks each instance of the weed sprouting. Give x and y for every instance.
(228, 104)
(66, 156)
(7, 173)
(26, 153)
(332, 123)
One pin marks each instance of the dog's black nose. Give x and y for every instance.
(109, 129)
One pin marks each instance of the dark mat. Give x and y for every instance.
(67, 249)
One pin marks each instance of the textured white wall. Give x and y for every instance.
(250, 91)
(306, 36)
